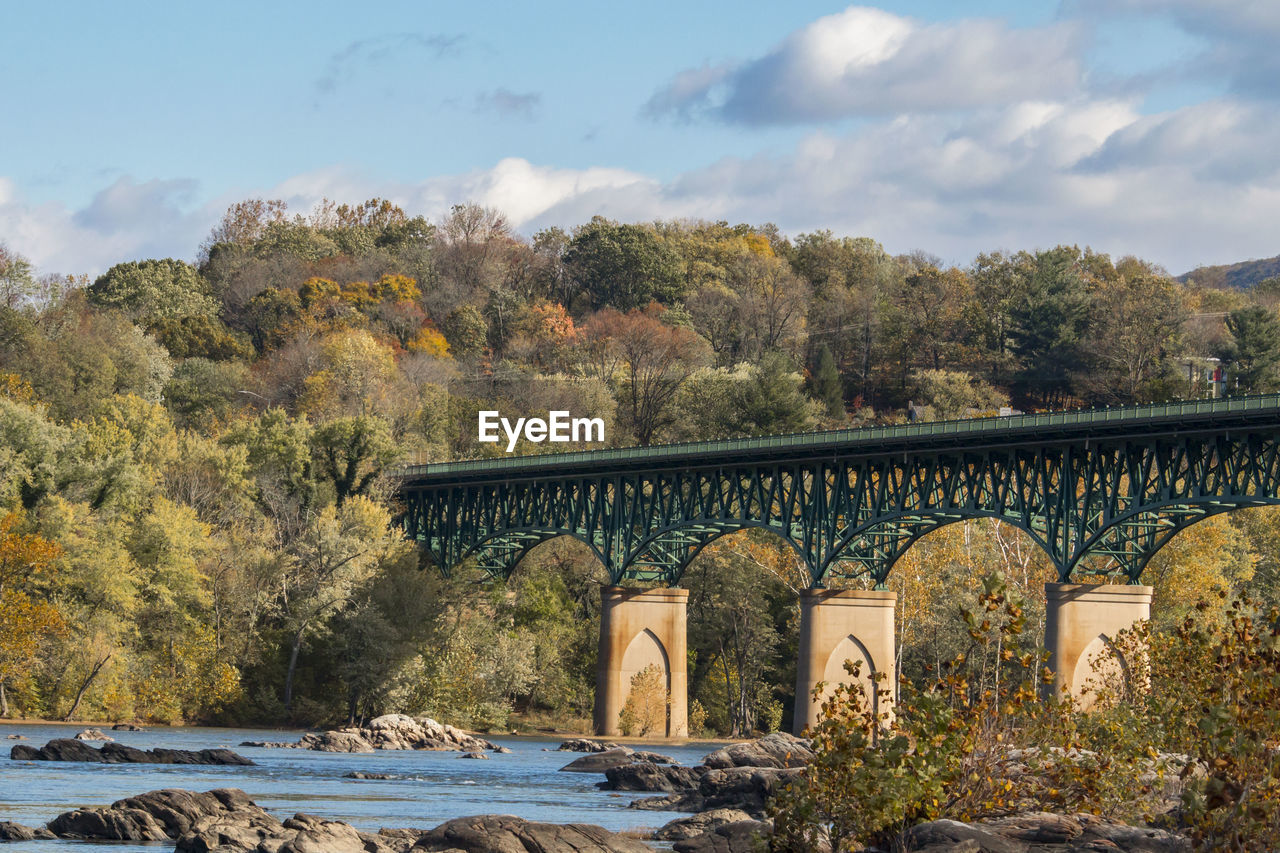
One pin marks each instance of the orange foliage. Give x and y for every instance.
(430, 341)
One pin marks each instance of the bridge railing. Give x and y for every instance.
(843, 437)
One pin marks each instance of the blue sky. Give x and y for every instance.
(1134, 126)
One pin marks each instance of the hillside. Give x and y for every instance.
(1241, 275)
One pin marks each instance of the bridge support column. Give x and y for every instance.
(838, 625)
(1081, 621)
(639, 627)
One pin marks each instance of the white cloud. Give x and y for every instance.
(1195, 185)
(865, 61)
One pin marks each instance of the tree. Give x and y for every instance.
(1000, 283)
(771, 401)
(351, 453)
(336, 552)
(1135, 327)
(647, 360)
(27, 619)
(825, 385)
(645, 710)
(1048, 325)
(956, 394)
(17, 284)
(1254, 355)
(773, 301)
(149, 291)
(622, 266)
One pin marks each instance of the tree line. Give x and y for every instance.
(196, 518)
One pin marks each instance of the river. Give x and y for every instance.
(434, 786)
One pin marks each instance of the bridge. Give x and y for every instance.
(1101, 491)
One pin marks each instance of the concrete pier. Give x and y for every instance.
(838, 625)
(639, 627)
(1081, 622)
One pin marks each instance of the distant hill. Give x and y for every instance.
(1242, 275)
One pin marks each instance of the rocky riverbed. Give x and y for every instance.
(305, 801)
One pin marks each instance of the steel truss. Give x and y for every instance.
(1102, 495)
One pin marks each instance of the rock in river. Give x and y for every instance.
(778, 750)
(94, 734)
(67, 749)
(10, 831)
(390, 731)
(582, 744)
(619, 756)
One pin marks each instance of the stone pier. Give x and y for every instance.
(838, 625)
(639, 627)
(1081, 622)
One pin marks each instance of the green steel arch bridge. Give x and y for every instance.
(1104, 487)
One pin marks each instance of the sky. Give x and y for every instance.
(1143, 127)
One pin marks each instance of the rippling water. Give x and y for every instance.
(435, 786)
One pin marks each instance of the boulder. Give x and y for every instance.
(739, 837)
(93, 734)
(474, 755)
(600, 762)
(67, 749)
(164, 815)
(508, 834)
(708, 821)
(15, 737)
(1042, 832)
(582, 744)
(501, 750)
(337, 741)
(745, 788)
(126, 727)
(777, 750)
(647, 776)
(10, 831)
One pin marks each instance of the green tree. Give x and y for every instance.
(1254, 355)
(149, 291)
(770, 401)
(351, 453)
(336, 552)
(623, 266)
(1048, 325)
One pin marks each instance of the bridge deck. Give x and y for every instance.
(975, 433)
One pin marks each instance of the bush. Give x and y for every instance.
(1196, 726)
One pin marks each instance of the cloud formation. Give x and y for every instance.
(1194, 185)
(509, 104)
(1239, 38)
(868, 62)
(378, 50)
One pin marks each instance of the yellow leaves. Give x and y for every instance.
(430, 342)
(361, 295)
(15, 388)
(357, 368)
(24, 557)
